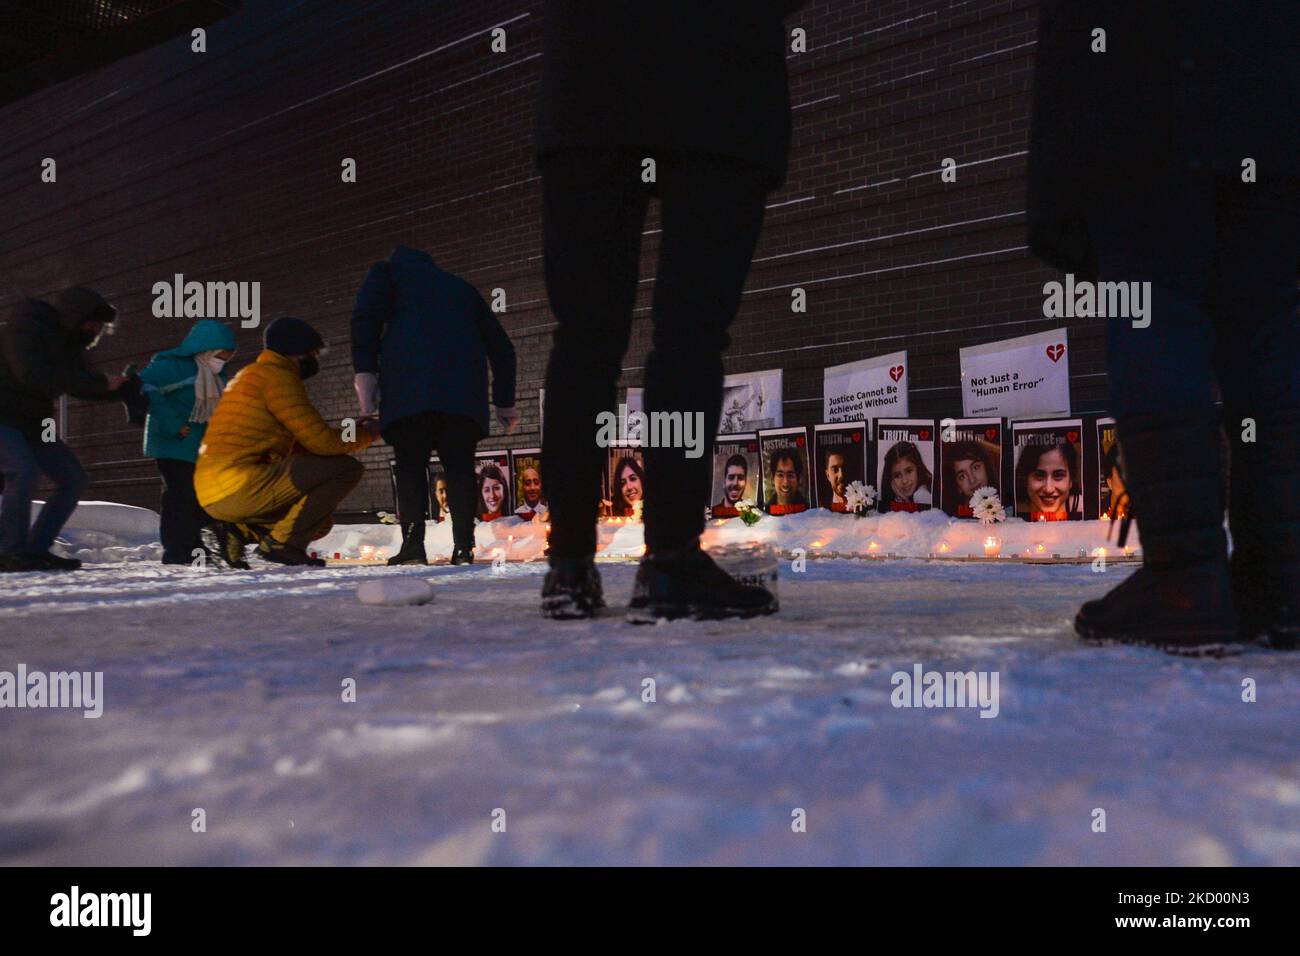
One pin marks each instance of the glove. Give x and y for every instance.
(132, 396)
(367, 386)
(509, 419)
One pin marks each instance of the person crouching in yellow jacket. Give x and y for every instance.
(270, 466)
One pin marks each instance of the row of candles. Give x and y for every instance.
(992, 546)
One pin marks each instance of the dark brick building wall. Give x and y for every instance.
(226, 166)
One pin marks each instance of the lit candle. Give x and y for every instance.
(992, 546)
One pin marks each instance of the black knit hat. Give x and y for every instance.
(290, 336)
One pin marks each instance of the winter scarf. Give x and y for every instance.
(207, 388)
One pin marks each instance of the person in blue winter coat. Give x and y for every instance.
(422, 341)
(183, 386)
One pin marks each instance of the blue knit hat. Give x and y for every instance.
(291, 336)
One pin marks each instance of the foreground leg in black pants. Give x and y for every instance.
(1220, 256)
(1253, 298)
(712, 210)
(594, 203)
(594, 207)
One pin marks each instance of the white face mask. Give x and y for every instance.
(216, 364)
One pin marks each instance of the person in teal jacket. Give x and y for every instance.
(183, 386)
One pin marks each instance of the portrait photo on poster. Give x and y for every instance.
(1112, 498)
(492, 483)
(737, 474)
(438, 508)
(970, 458)
(1048, 468)
(840, 458)
(905, 463)
(625, 482)
(787, 488)
(529, 492)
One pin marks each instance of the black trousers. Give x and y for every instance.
(182, 516)
(455, 437)
(594, 205)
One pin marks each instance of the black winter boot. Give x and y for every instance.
(412, 546)
(572, 589)
(1180, 600)
(13, 563)
(1264, 515)
(225, 544)
(47, 561)
(687, 583)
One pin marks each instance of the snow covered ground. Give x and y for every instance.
(223, 691)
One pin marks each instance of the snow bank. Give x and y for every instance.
(105, 532)
(102, 531)
(818, 533)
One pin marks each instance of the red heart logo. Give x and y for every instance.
(896, 372)
(1072, 437)
(991, 434)
(1054, 352)
(924, 434)
(857, 436)
(799, 441)
(752, 446)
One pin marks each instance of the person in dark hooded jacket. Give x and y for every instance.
(422, 341)
(43, 356)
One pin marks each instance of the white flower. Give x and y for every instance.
(987, 506)
(859, 497)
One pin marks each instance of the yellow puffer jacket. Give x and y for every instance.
(263, 416)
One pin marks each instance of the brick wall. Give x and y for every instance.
(226, 166)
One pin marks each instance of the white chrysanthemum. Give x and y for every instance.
(987, 506)
(859, 497)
